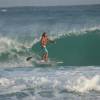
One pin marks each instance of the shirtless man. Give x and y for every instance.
(44, 41)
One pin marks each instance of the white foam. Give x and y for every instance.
(84, 84)
(4, 82)
(73, 31)
(6, 44)
(55, 81)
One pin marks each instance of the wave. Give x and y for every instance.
(79, 81)
(72, 48)
(13, 52)
(84, 84)
(83, 49)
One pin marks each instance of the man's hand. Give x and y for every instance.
(52, 41)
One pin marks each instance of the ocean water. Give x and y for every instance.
(76, 30)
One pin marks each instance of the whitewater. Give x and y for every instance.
(76, 30)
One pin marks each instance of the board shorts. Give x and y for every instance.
(44, 50)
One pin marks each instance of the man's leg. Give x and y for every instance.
(46, 57)
(45, 54)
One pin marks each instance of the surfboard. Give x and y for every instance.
(48, 63)
(40, 62)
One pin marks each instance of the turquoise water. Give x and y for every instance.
(76, 30)
(81, 50)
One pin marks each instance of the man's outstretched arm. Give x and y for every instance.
(51, 41)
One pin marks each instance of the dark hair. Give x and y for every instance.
(44, 34)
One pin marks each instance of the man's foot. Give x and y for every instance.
(42, 61)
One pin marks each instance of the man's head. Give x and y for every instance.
(44, 34)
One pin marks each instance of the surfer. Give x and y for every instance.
(44, 41)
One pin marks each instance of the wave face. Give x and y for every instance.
(83, 49)
(73, 50)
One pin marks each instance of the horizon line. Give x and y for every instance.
(51, 5)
